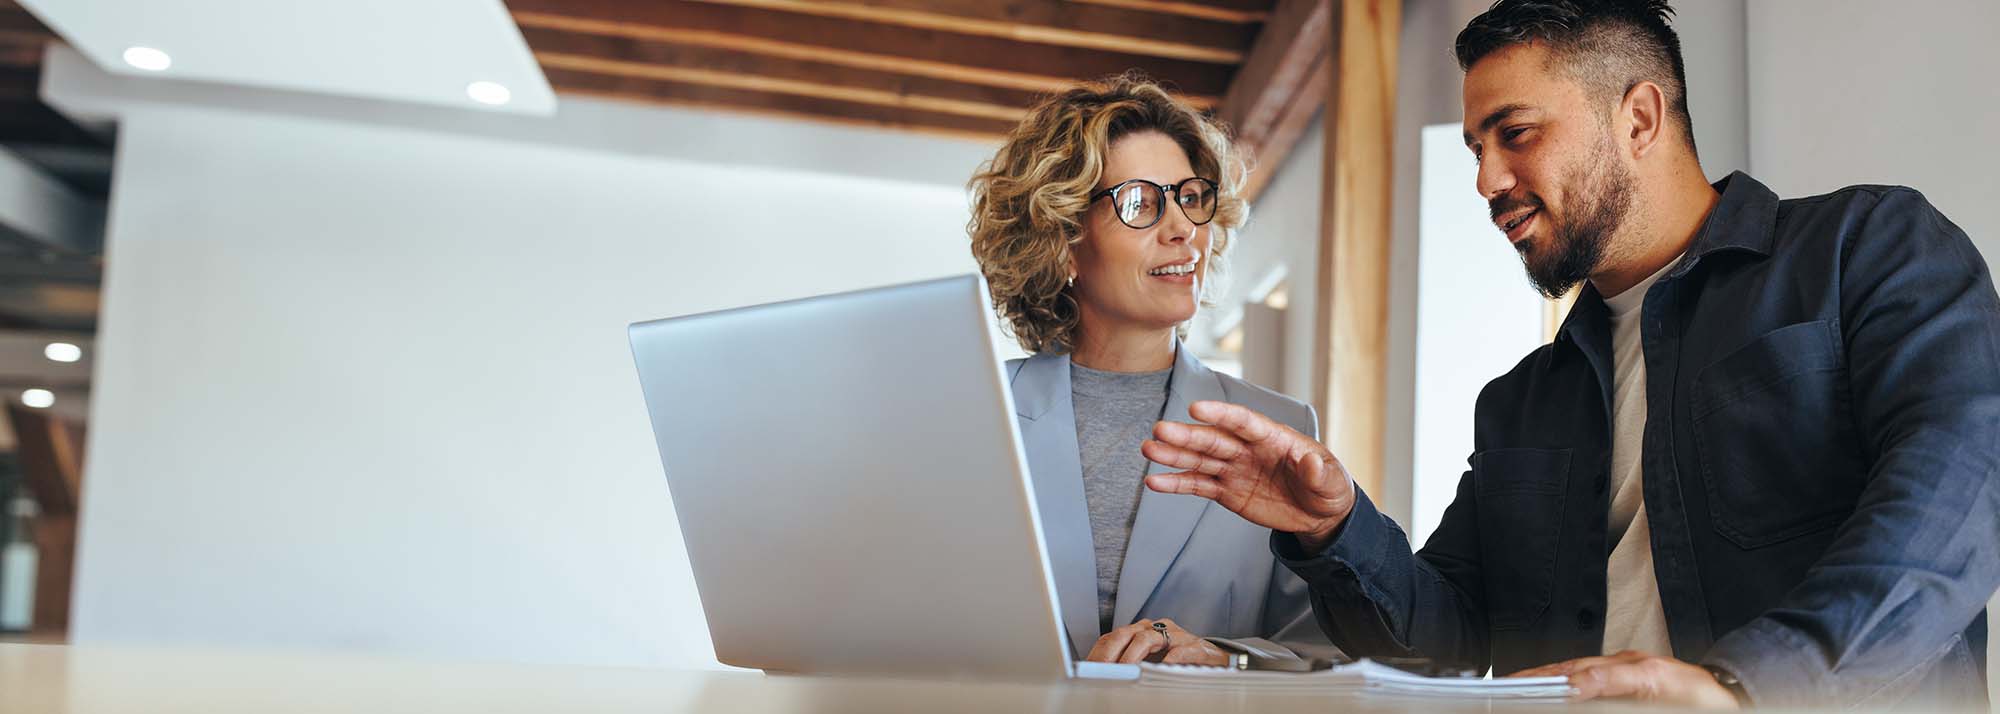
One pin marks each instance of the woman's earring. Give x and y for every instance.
(1072, 280)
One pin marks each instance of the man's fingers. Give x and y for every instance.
(1199, 438)
(1561, 669)
(1186, 483)
(1615, 679)
(1312, 471)
(1161, 452)
(1547, 670)
(1164, 453)
(1636, 675)
(1237, 419)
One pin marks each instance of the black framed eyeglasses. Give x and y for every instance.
(1140, 203)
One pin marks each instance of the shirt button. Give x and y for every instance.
(1585, 620)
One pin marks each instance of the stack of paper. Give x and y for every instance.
(1362, 676)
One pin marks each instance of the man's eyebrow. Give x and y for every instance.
(1498, 115)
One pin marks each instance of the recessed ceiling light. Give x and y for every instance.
(488, 93)
(38, 398)
(63, 352)
(147, 58)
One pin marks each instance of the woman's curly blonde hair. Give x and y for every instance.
(1028, 202)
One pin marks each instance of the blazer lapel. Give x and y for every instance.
(1165, 520)
(1048, 430)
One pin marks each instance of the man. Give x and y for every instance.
(1758, 463)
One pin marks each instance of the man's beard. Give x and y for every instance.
(1576, 243)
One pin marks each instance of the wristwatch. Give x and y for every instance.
(1729, 681)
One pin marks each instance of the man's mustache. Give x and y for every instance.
(1507, 204)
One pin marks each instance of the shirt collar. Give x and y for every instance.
(1745, 219)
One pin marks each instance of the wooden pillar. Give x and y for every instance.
(55, 574)
(1555, 311)
(1352, 341)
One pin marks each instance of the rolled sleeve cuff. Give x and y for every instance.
(1773, 664)
(1348, 557)
(1779, 667)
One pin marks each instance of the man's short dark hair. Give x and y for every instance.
(1608, 46)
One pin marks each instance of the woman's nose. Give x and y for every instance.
(1175, 226)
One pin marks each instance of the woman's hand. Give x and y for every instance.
(1141, 642)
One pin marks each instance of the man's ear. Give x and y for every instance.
(1644, 111)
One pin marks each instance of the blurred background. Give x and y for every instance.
(312, 313)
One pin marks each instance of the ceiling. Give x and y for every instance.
(968, 68)
(961, 67)
(427, 51)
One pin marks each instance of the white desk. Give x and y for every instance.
(93, 680)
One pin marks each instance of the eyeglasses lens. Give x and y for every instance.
(1197, 199)
(1138, 204)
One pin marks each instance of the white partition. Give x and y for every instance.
(1477, 317)
(368, 388)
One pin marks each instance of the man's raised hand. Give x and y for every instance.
(1262, 470)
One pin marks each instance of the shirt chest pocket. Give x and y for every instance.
(1520, 493)
(1775, 436)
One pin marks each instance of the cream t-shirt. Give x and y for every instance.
(1633, 618)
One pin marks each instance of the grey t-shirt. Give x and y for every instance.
(1115, 411)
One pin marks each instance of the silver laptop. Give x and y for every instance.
(851, 486)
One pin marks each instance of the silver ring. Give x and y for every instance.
(1166, 643)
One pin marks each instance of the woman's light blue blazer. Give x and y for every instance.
(1187, 559)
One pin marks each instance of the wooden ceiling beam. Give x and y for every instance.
(776, 85)
(1050, 22)
(1267, 155)
(1281, 85)
(1238, 11)
(789, 106)
(17, 23)
(865, 45)
(759, 72)
(793, 51)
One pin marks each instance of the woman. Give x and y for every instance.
(1098, 225)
